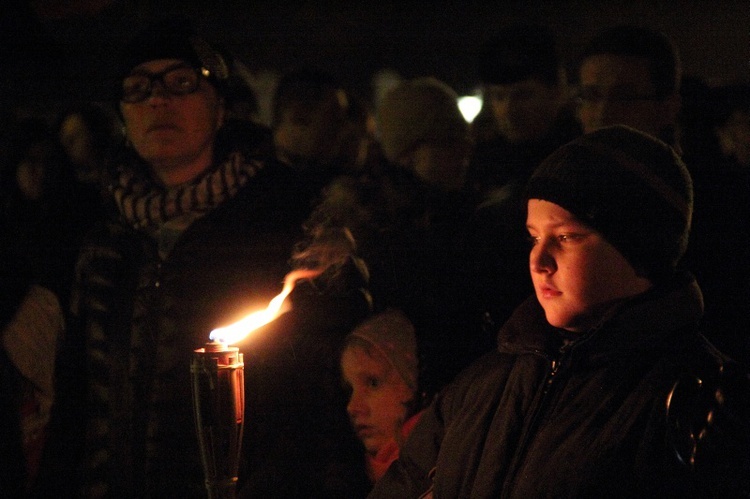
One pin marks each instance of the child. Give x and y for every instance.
(379, 368)
(601, 385)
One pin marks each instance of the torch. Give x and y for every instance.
(217, 374)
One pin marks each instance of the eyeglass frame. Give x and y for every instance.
(153, 77)
(580, 99)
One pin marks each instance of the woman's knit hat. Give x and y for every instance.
(422, 109)
(174, 39)
(391, 334)
(629, 186)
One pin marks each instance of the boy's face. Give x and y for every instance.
(377, 404)
(578, 276)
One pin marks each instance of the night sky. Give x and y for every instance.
(61, 49)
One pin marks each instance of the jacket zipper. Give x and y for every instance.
(554, 367)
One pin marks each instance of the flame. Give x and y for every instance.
(240, 329)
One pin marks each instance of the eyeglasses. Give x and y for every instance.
(593, 95)
(176, 80)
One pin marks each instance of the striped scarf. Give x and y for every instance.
(147, 205)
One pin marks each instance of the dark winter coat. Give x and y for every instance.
(139, 319)
(550, 416)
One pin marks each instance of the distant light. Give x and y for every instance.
(470, 105)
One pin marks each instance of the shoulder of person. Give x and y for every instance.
(253, 140)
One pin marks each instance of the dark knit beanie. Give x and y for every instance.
(630, 187)
(174, 39)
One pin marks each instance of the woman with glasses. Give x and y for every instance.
(200, 238)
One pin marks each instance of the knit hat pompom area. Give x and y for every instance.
(630, 187)
(391, 334)
(422, 109)
(174, 39)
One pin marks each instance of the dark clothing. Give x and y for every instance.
(16, 277)
(718, 251)
(553, 415)
(426, 268)
(298, 440)
(39, 241)
(503, 244)
(499, 172)
(13, 475)
(418, 244)
(43, 236)
(496, 162)
(139, 316)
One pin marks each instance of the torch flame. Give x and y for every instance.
(240, 329)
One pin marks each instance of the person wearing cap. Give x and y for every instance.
(601, 384)
(379, 367)
(310, 115)
(200, 237)
(527, 105)
(421, 130)
(529, 114)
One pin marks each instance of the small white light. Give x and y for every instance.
(470, 105)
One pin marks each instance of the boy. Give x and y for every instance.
(601, 385)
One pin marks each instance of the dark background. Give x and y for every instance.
(62, 49)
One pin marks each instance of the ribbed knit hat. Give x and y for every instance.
(629, 186)
(174, 39)
(392, 334)
(422, 109)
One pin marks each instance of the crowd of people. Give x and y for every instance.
(548, 301)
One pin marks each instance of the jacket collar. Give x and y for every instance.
(647, 321)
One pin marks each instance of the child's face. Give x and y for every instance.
(577, 274)
(377, 404)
